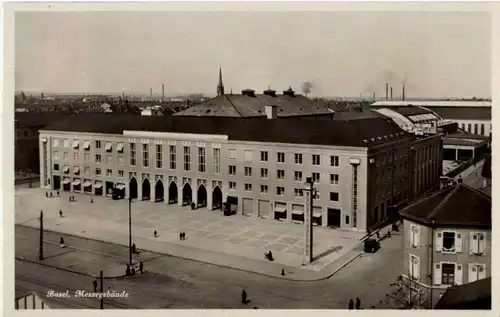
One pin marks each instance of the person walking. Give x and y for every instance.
(180, 235)
(57, 193)
(282, 272)
(243, 297)
(351, 304)
(61, 242)
(134, 250)
(141, 266)
(50, 194)
(358, 303)
(91, 200)
(155, 233)
(60, 213)
(46, 195)
(95, 285)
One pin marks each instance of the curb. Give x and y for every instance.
(277, 276)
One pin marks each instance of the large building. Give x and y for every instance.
(360, 167)
(447, 240)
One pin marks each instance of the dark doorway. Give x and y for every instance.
(66, 185)
(202, 196)
(217, 198)
(133, 188)
(172, 193)
(146, 189)
(56, 182)
(159, 191)
(98, 189)
(187, 194)
(334, 217)
(110, 186)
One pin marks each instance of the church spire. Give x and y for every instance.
(220, 86)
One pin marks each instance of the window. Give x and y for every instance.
(263, 156)
(316, 194)
(298, 158)
(280, 191)
(298, 192)
(98, 171)
(482, 129)
(477, 243)
(66, 142)
(97, 144)
(159, 156)
(65, 155)
(414, 236)
(119, 148)
(232, 154)
(248, 187)
(120, 173)
(248, 155)
(120, 159)
(55, 155)
(173, 154)
(132, 153)
(56, 167)
(297, 176)
(109, 159)
(232, 170)
(98, 158)
(264, 173)
(414, 268)
(109, 147)
(86, 145)
(216, 162)
(316, 159)
(449, 241)
(202, 160)
(263, 189)
(334, 161)
(109, 172)
(316, 177)
(334, 179)
(476, 131)
(232, 185)
(280, 174)
(281, 157)
(187, 158)
(56, 141)
(86, 170)
(248, 171)
(476, 272)
(86, 157)
(76, 156)
(145, 155)
(334, 196)
(448, 274)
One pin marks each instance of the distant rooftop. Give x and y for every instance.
(431, 103)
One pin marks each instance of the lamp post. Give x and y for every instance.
(308, 224)
(130, 231)
(40, 251)
(102, 298)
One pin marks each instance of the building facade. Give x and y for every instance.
(258, 178)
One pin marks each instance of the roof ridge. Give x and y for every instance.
(445, 200)
(425, 199)
(232, 104)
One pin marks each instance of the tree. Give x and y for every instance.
(306, 87)
(407, 294)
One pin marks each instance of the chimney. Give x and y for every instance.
(162, 92)
(289, 92)
(151, 92)
(391, 93)
(386, 91)
(42, 95)
(374, 97)
(123, 95)
(248, 92)
(271, 112)
(403, 95)
(270, 92)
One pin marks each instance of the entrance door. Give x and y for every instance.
(264, 208)
(247, 206)
(334, 217)
(57, 182)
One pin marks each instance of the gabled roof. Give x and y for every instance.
(460, 206)
(229, 105)
(475, 295)
(358, 133)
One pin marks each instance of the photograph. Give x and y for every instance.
(252, 159)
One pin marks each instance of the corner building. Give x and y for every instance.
(258, 166)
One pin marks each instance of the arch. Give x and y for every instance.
(132, 188)
(159, 191)
(146, 189)
(202, 196)
(217, 198)
(187, 194)
(172, 193)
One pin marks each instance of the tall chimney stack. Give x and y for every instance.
(391, 93)
(374, 97)
(162, 92)
(386, 91)
(41, 95)
(123, 94)
(151, 92)
(403, 96)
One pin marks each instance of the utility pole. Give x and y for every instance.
(130, 231)
(308, 223)
(40, 253)
(102, 298)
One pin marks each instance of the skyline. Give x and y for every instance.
(427, 52)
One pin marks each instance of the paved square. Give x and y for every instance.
(209, 230)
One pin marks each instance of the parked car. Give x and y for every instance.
(371, 245)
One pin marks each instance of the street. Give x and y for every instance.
(171, 282)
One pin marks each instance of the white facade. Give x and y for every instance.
(478, 127)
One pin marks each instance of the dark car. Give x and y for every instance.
(371, 245)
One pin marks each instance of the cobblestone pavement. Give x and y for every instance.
(208, 230)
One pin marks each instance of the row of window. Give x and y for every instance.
(86, 171)
(476, 130)
(451, 242)
(448, 273)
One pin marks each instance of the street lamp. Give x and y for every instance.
(40, 251)
(130, 231)
(308, 223)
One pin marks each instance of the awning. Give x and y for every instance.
(66, 169)
(98, 185)
(297, 212)
(44, 140)
(66, 181)
(76, 169)
(119, 148)
(76, 182)
(317, 214)
(87, 183)
(86, 145)
(120, 186)
(279, 209)
(75, 144)
(109, 146)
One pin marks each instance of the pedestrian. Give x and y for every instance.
(133, 248)
(92, 200)
(50, 194)
(69, 199)
(358, 303)
(378, 235)
(156, 233)
(95, 285)
(61, 242)
(180, 235)
(282, 272)
(57, 193)
(183, 236)
(141, 266)
(60, 213)
(127, 271)
(133, 270)
(351, 304)
(243, 297)
(46, 195)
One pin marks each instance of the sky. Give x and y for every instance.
(344, 54)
